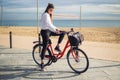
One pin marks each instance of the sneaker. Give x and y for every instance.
(57, 48)
(42, 66)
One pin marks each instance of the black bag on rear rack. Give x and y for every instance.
(75, 39)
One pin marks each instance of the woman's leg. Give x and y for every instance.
(45, 39)
(61, 36)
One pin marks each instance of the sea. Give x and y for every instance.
(64, 23)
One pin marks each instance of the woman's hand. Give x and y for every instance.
(57, 31)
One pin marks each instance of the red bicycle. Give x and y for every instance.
(76, 58)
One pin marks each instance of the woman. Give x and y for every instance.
(47, 30)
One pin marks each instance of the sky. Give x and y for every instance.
(64, 9)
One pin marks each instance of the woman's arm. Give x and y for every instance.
(48, 23)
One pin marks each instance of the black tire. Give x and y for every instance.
(36, 55)
(80, 54)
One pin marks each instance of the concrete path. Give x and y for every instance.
(17, 64)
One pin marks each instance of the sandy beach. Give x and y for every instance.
(105, 34)
(100, 43)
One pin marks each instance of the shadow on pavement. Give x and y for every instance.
(12, 72)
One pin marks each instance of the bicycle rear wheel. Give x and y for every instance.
(37, 53)
(77, 60)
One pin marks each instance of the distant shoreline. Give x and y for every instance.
(95, 34)
(67, 23)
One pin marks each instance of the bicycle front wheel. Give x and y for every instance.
(77, 60)
(37, 55)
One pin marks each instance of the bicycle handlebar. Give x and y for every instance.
(67, 32)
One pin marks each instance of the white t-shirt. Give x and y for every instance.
(46, 23)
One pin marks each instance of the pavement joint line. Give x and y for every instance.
(105, 72)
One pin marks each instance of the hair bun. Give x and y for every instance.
(50, 4)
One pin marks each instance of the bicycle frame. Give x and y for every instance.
(74, 54)
(60, 55)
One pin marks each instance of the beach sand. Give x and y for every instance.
(104, 34)
(100, 43)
